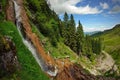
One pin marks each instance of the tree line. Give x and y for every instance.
(76, 39)
(48, 23)
(50, 26)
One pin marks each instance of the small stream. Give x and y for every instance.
(29, 44)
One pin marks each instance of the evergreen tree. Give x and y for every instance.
(88, 46)
(75, 38)
(64, 29)
(61, 29)
(72, 32)
(80, 38)
(96, 45)
(66, 18)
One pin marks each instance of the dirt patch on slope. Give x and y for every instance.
(10, 14)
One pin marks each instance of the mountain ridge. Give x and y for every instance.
(92, 32)
(117, 26)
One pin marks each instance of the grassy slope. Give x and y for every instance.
(61, 51)
(2, 14)
(29, 69)
(111, 40)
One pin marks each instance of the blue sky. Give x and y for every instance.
(95, 15)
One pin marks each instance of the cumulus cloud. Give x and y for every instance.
(104, 5)
(69, 6)
(115, 9)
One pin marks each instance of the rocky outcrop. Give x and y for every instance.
(10, 14)
(8, 58)
(75, 72)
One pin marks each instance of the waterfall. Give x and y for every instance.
(29, 45)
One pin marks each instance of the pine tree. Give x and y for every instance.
(88, 46)
(80, 38)
(64, 29)
(72, 32)
(96, 45)
(66, 18)
(99, 44)
(61, 29)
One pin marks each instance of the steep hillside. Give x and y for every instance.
(111, 42)
(41, 51)
(58, 50)
(25, 58)
(111, 38)
(45, 24)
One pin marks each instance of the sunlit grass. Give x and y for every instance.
(29, 68)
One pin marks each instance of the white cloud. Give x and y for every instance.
(104, 5)
(69, 6)
(115, 9)
(91, 29)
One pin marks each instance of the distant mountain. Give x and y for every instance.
(111, 38)
(112, 31)
(91, 33)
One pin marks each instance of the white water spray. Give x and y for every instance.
(30, 46)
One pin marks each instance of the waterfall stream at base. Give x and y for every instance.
(29, 45)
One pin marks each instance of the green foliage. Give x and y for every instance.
(1, 43)
(65, 30)
(72, 34)
(68, 31)
(111, 41)
(74, 38)
(110, 38)
(29, 68)
(2, 12)
(88, 46)
(44, 19)
(53, 31)
(80, 38)
(96, 45)
(116, 56)
(59, 51)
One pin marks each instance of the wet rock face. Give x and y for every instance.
(8, 58)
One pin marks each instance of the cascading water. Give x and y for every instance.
(29, 45)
